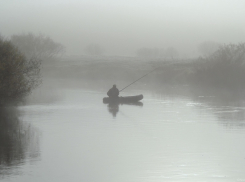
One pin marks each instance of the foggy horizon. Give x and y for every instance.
(123, 27)
(122, 91)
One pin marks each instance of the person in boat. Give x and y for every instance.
(113, 92)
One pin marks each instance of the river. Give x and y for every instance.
(166, 138)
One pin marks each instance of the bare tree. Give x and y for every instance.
(36, 46)
(224, 68)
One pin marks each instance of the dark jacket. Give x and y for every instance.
(113, 92)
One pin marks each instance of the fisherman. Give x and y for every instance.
(113, 92)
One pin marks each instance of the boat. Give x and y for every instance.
(123, 99)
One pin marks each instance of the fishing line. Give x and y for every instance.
(144, 76)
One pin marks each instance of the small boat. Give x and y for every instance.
(127, 99)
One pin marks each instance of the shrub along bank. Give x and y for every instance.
(18, 75)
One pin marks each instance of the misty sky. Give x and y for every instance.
(123, 26)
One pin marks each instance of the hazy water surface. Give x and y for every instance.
(165, 139)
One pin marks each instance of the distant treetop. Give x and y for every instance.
(36, 46)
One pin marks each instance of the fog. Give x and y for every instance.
(122, 27)
(190, 125)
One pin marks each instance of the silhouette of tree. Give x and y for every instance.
(18, 75)
(224, 68)
(36, 46)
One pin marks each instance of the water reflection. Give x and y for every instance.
(18, 141)
(227, 105)
(169, 139)
(113, 108)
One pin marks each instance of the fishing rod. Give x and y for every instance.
(138, 79)
(148, 74)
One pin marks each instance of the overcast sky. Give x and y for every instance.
(123, 26)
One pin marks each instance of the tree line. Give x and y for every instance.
(222, 67)
(21, 57)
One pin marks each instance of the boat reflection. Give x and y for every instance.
(113, 108)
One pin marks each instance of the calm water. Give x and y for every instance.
(78, 138)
